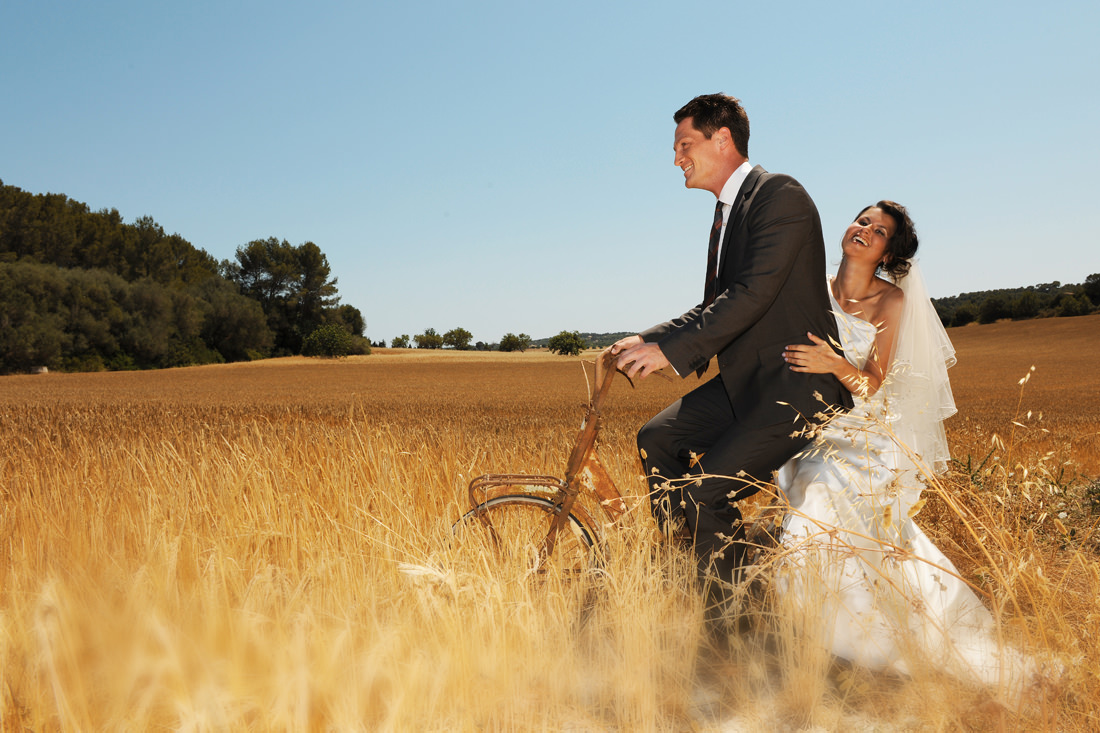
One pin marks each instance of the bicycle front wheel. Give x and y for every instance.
(513, 528)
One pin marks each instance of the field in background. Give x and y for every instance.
(267, 546)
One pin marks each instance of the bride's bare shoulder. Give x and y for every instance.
(890, 291)
(890, 302)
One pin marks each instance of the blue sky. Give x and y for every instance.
(507, 166)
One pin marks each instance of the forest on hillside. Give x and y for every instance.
(1035, 301)
(82, 290)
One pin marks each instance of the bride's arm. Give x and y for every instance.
(820, 358)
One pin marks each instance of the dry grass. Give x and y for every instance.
(267, 546)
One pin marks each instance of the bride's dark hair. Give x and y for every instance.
(903, 245)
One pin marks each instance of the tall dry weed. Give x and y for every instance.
(269, 547)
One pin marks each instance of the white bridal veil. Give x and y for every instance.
(917, 388)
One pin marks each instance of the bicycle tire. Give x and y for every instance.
(514, 527)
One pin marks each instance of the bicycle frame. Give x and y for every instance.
(761, 514)
(583, 471)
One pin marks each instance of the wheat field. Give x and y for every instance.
(268, 546)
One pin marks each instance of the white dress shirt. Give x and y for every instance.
(727, 197)
(729, 194)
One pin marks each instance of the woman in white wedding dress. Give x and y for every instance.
(887, 595)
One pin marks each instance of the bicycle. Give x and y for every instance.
(526, 515)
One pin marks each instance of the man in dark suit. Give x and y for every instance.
(765, 288)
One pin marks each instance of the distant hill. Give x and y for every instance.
(594, 340)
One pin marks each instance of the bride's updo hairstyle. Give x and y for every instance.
(903, 245)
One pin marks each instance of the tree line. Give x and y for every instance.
(565, 343)
(83, 290)
(459, 338)
(1046, 300)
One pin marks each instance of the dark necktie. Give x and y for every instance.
(710, 292)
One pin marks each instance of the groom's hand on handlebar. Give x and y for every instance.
(637, 358)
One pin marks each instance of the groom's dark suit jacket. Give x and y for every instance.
(771, 291)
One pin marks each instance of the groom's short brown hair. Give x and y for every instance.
(711, 112)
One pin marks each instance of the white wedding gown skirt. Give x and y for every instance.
(854, 559)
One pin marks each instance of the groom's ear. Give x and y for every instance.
(722, 137)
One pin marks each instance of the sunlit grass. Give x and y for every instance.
(269, 547)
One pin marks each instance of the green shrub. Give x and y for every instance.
(360, 345)
(330, 340)
(567, 343)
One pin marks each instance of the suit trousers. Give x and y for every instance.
(703, 492)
